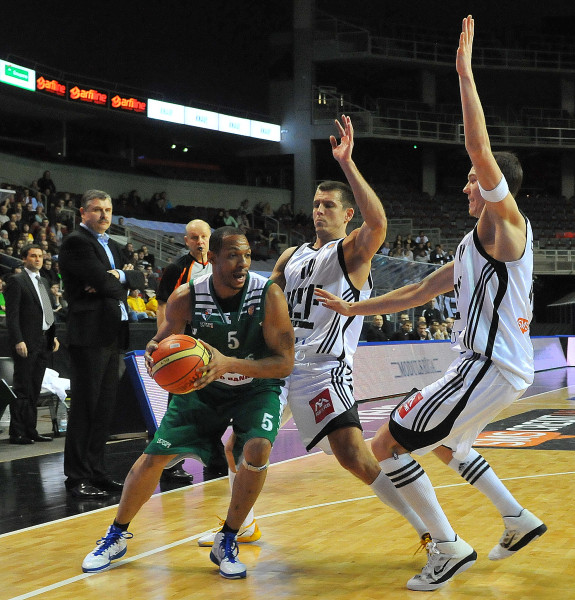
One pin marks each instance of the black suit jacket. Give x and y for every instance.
(24, 316)
(94, 318)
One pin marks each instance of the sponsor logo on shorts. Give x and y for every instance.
(322, 406)
(523, 325)
(409, 404)
(162, 442)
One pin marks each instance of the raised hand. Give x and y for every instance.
(333, 302)
(342, 151)
(463, 59)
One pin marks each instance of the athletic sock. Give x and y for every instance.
(477, 471)
(121, 526)
(250, 518)
(386, 492)
(227, 529)
(414, 486)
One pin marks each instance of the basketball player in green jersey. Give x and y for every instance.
(242, 318)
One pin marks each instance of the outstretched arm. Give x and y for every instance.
(477, 141)
(408, 296)
(367, 240)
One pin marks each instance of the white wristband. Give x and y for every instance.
(497, 193)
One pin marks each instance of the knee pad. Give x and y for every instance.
(251, 467)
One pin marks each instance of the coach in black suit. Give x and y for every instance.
(95, 284)
(30, 323)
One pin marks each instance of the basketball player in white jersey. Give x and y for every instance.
(492, 278)
(319, 391)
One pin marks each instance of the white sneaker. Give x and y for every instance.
(519, 531)
(445, 560)
(224, 553)
(111, 547)
(246, 535)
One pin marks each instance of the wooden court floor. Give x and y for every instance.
(324, 536)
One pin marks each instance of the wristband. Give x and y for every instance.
(497, 193)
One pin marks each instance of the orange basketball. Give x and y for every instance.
(176, 363)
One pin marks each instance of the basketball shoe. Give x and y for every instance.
(519, 531)
(246, 535)
(444, 561)
(224, 554)
(111, 547)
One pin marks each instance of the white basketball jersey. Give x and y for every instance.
(317, 329)
(494, 304)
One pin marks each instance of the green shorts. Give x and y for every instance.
(195, 423)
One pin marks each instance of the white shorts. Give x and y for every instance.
(318, 391)
(453, 410)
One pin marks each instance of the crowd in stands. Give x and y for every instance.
(418, 249)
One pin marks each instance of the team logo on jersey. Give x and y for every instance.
(251, 310)
(523, 325)
(331, 245)
(321, 406)
(207, 313)
(409, 404)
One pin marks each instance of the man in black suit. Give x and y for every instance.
(95, 283)
(30, 323)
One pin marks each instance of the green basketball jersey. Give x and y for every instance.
(237, 334)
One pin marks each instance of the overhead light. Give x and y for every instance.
(173, 146)
(185, 150)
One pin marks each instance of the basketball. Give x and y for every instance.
(176, 363)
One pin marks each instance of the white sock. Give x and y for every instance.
(250, 518)
(414, 486)
(386, 492)
(477, 471)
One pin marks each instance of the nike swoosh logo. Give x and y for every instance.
(439, 570)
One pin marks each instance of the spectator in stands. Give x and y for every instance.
(437, 256)
(407, 253)
(28, 198)
(437, 333)
(4, 239)
(137, 307)
(18, 246)
(243, 222)
(4, 218)
(378, 330)
(397, 251)
(218, 220)
(420, 254)
(385, 249)
(49, 273)
(431, 312)
(422, 332)
(421, 238)
(409, 242)
(147, 256)
(448, 326)
(46, 185)
(229, 219)
(405, 332)
(59, 305)
(2, 303)
(449, 256)
(127, 252)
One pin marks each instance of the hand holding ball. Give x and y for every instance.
(177, 361)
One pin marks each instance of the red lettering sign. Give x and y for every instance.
(135, 105)
(50, 86)
(409, 404)
(322, 406)
(89, 96)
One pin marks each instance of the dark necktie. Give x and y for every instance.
(46, 305)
